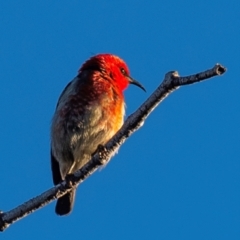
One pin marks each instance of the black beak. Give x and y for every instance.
(134, 82)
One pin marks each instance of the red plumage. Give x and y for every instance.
(89, 112)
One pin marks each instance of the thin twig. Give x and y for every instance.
(171, 82)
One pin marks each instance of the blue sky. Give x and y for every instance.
(178, 177)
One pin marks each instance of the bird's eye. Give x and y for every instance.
(123, 71)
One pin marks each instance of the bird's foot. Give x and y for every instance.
(103, 154)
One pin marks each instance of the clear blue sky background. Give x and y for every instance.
(178, 177)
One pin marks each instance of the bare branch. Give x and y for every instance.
(171, 82)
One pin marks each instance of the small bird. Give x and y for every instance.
(89, 112)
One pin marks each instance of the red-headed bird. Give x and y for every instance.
(89, 112)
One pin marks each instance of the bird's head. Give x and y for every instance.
(112, 68)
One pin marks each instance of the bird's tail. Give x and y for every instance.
(65, 203)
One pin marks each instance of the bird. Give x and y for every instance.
(89, 112)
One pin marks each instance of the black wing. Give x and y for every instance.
(57, 178)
